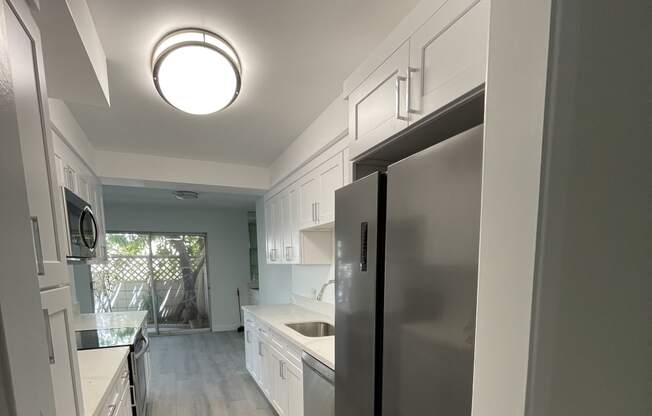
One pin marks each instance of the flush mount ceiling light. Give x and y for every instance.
(183, 195)
(196, 71)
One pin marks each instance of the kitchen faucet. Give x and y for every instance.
(323, 287)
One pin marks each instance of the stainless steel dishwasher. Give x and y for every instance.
(318, 387)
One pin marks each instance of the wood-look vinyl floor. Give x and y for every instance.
(203, 374)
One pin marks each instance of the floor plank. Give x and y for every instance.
(204, 375)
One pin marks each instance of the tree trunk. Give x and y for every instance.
(187, 310)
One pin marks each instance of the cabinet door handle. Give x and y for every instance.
(260, 349)
(317, 211)
(408, 92)
(38, 249)
(48, 335)
(288, 253)
(281, 373)
(399, 78)
(248, 338)
(313, 211)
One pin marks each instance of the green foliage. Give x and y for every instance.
(127, 244)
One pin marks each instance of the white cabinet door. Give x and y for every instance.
(277, 229)
(270, 231)
(124, 408)
(250, 347)
(331, 177)
(308, 198)
(286, 226)
(377, 107)
(448, 56)
(64, 368)
(43, 195)
(279, 396)
(294, 380)
(295, 234)
(266, 368)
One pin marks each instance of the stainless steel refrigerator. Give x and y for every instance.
(406, 279)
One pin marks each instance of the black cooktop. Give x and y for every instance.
(106, 338)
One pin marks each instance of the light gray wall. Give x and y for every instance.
(592, 335)
(82, 275)
(275, 280)
(228, 247)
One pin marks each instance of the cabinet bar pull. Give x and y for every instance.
(317, 211)
(399, 78)
(48, 334)
(260, 349)
(38, 249)
(281, 372)
(408, 93)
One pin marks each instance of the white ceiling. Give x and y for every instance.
(163, 197)
(295, 55)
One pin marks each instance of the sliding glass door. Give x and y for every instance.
(163, 273)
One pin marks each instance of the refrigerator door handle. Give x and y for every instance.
(364, 233)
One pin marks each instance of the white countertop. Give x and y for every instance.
(85, 321)
(277, 316)
(97, 369)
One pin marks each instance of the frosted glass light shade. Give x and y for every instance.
(196, 71)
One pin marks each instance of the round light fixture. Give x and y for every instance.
(196, 71)
(185, 195)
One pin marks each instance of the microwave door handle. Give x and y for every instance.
(139, 354)
(87, 211)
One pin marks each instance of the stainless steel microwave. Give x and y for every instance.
(82, 227)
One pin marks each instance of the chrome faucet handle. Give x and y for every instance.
(323, 288)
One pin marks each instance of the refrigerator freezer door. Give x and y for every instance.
(433, 223)
(358, 268)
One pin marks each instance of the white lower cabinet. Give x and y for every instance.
(274, 364)
(118, 399)
(64, 368)
(294, 381)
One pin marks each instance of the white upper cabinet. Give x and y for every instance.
(377, 107)
(74, 173)
(294, 234)
(331, 177)
(308, 196)
(270, 230)
(317, 192)
(44, 198)
(440, 60)
(448, 56)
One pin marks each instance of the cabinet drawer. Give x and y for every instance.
(293, 355)
(277, 341)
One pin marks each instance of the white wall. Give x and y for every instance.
(130, 167)
(592, 316)
(228, 247)
(515, 99)
(308, 280)
(331, 125)
(67, 128)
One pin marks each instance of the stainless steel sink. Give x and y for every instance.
(313, 329)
